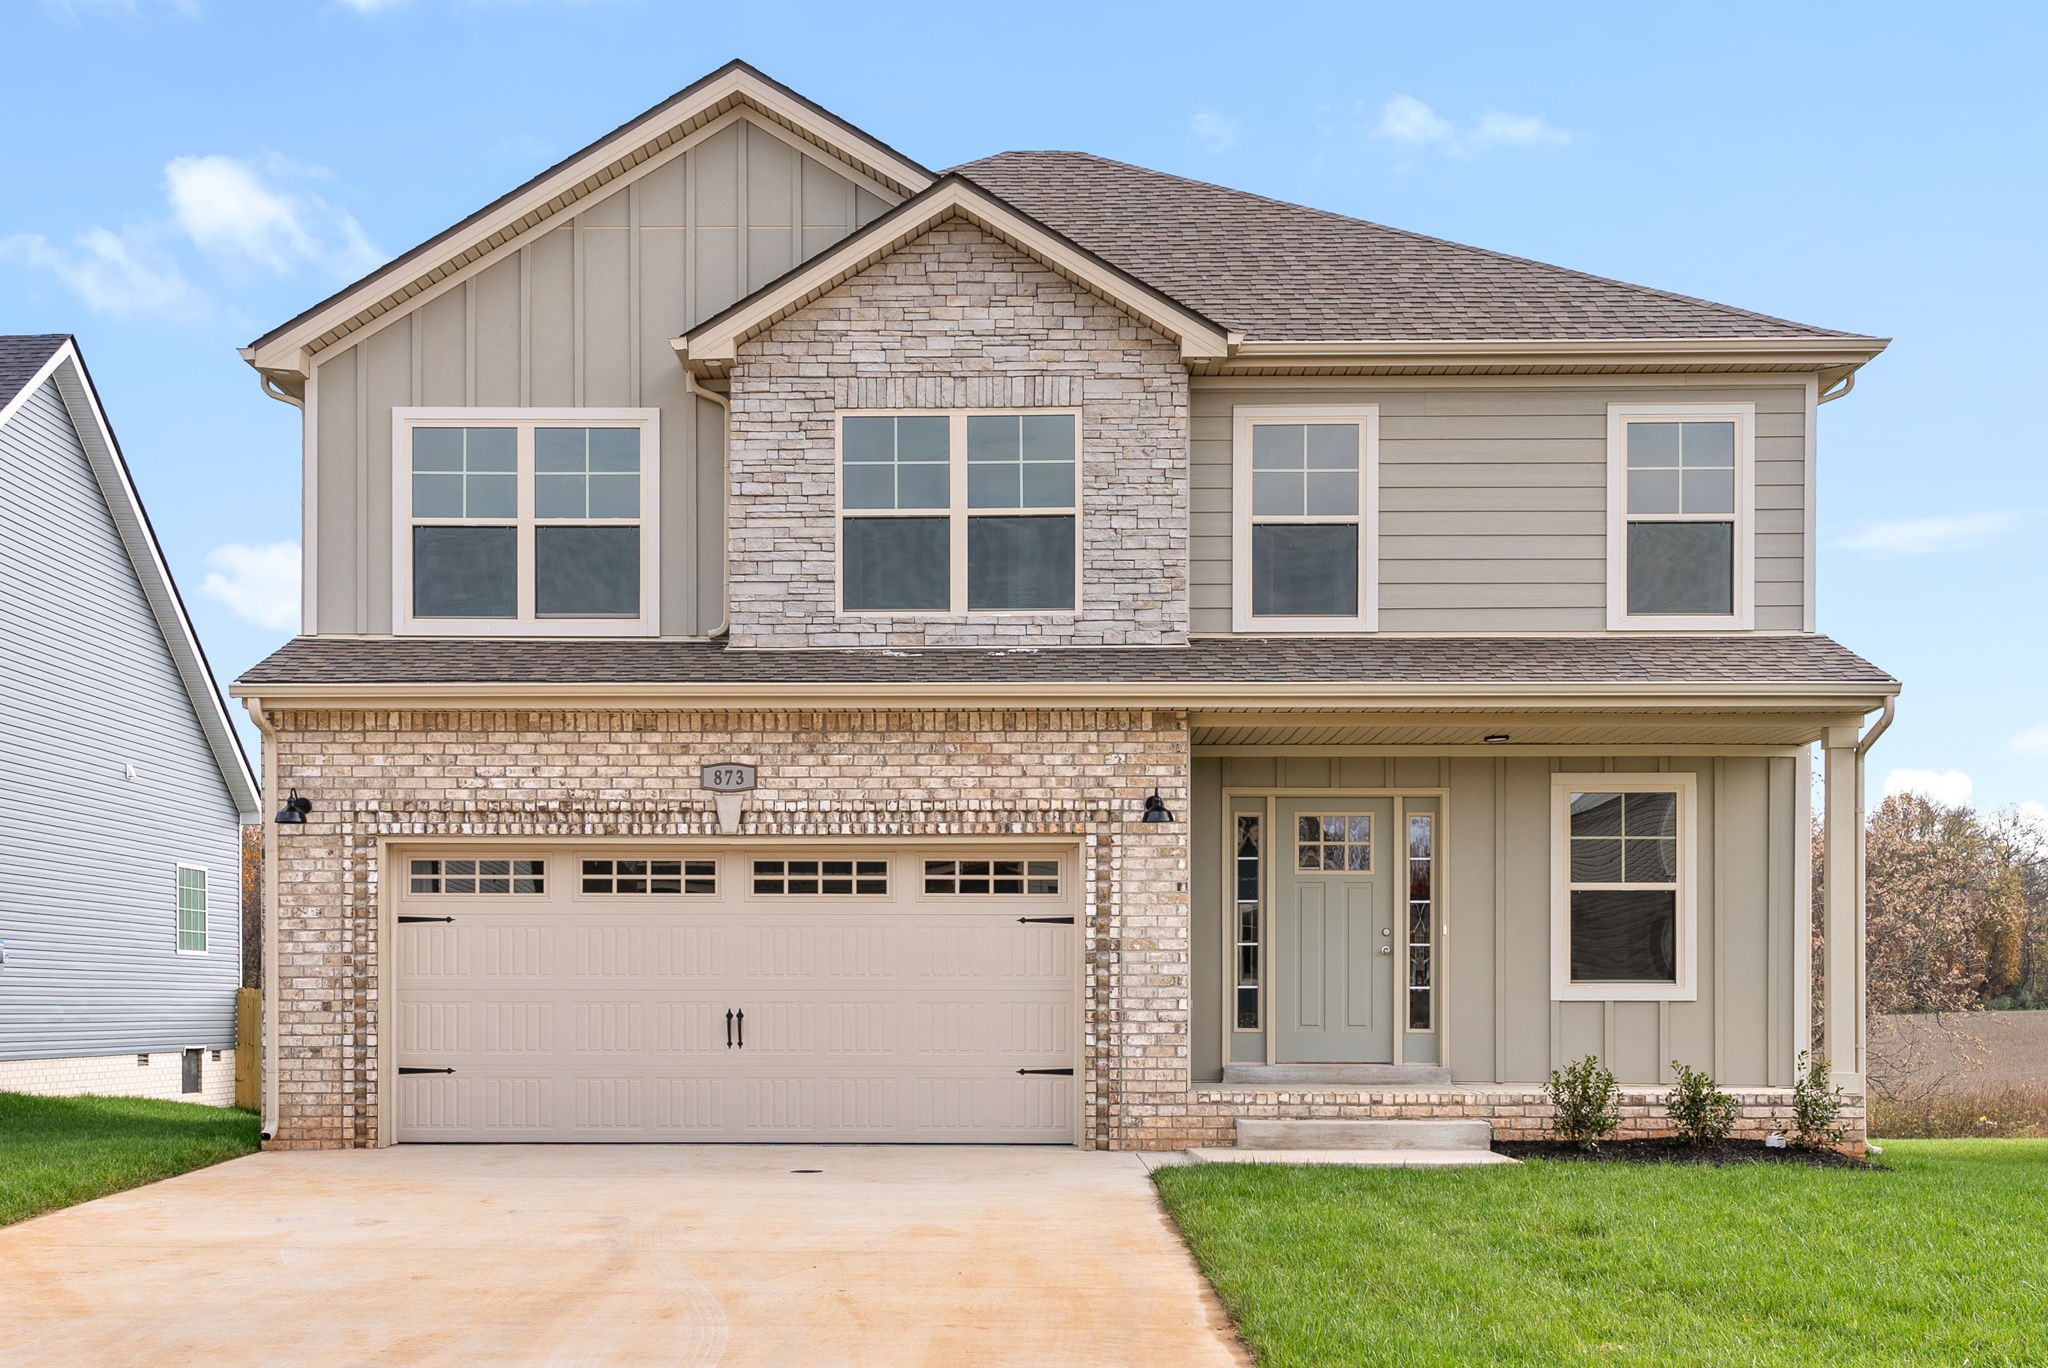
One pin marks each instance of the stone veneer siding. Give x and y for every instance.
(958, 319)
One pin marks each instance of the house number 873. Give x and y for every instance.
(728, 778)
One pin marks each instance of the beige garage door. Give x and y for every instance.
(589, 994)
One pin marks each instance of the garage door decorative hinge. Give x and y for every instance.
(406, 1069)
(1063, 1073)
(1050, 921)
(403, 920)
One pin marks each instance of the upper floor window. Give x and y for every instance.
(1305, 532)
(527, 521)
(1681, 501)
(959, 513)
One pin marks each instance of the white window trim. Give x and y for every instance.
(205, 908)
(404, 420)
(1367, 416)
(956, 513)
(1619, 416)
(1685, 987)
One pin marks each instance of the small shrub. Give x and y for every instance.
(1701, 1112)
(1583, 1098)
(1816, 1106)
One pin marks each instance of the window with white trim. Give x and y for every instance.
(191, 910)
(959, 513)
(1305, 531)
(511, 521)
(1622, 921)
(1681, 499)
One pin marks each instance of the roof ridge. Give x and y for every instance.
(966, 169)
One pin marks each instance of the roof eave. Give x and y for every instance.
(1838, 355)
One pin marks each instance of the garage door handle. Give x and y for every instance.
(728, 1028)
(403, 1070)
(1063, 1073)
(1052, 921)
(407, 921)
(743, 1027)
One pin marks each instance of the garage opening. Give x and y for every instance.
(835, 994)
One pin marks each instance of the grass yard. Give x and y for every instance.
(1944, 1260)
(57, 1151)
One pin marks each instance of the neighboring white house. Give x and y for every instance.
(122, 784)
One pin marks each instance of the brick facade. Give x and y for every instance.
(959, 319)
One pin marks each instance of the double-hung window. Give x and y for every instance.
(959, 513)
(1623, 852)
(191, 910)
(1305, 534)
(1681, 508)
(524, 521)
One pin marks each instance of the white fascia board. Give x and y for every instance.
(716, 341)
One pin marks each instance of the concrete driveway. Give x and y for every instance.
(618, 1255)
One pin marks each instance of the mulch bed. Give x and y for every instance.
(1673, 1152)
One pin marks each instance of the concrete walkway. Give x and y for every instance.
(618, 1255)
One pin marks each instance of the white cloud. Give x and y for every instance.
(2035, 815)
(1950, 788)
(244, 212)
(1924, 536)
(1407, 122)
(2032, 741)
(114, 273)
(1217, 132)
(261, 583)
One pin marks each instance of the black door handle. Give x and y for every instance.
(743, 1028)
(728, 1028)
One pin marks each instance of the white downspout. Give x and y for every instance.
(268, 1125)
(724, 561)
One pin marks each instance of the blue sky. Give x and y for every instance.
(183, 174)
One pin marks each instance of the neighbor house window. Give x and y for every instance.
(1680, 508)
(1305, 532)
(526, 521)
(191, 910)
(1622, 887)
(959, 513)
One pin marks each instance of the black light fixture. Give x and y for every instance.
(294, 811)
(1155, 810)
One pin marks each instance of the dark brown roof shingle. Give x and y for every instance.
(22, 356)
(1701, 660)
(1282, 272)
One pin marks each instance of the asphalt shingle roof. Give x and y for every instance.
(1698, 660)
(22, 356)
(1283, 272)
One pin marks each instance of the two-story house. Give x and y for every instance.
(802, 646)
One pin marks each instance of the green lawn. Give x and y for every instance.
(1944, 1260)
(55, 1151)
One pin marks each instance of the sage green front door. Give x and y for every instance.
(1333, 931)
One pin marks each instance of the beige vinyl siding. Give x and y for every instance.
(1495, 853)
(1493, 499)
(580, 316)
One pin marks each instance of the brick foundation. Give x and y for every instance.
(124, 1075)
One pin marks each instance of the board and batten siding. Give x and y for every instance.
(1493, 501)
(1744, 1025)
(579, 316)
(89, 856)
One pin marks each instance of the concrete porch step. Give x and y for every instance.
(1335, 1076)
(1353, 1158)
(1384, 1135)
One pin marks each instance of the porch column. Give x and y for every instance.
(1842, 927)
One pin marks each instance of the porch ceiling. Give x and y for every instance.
(1661, 728)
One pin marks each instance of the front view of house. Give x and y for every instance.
(803, 647)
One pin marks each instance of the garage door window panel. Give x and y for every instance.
(993, 876)
(479, 876)
(821, 878)
(627, 876)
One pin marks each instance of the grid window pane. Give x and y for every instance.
(992, 876)
(586, 571)
(629, 876)
(897, 564)
(465, 572)
(1333, 843)
(1624, 899)
(515, 876)
(191, 910)
(828, 877)
(1681, 568)
(1305, 570)
(900, 462)
(465, 472)
(586, 472)
(1021, 564)
(1020, 460)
